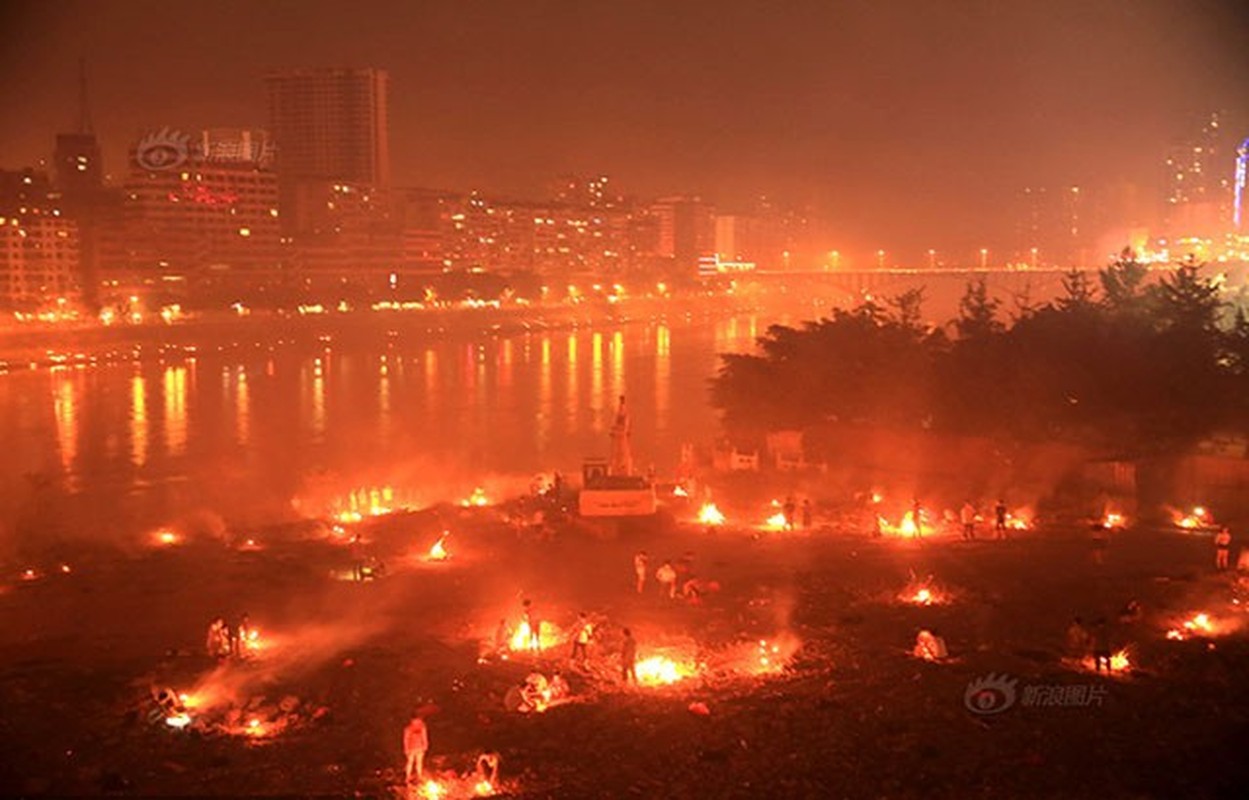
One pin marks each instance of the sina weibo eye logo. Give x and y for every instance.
(991, 694)
(165, 149)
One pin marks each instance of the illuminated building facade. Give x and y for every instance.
(40, 258)
(216, 215)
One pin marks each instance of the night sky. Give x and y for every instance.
(908, 123)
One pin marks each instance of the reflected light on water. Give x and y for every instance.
(138, 420)
(175, 421)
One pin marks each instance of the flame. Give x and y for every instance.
(432, 790)
(438, 552)
(1199, 517)
(1120, 661)
(166, 537)
(710, 515)
(30, 575)
(679, 491)
(521, 642)
(877, 497)
(1113, 520)
(1017, 523)
(1197, 625)
(483, 788)
(477, 498)
(661, 671)
(365, 502)
(906, 527)
(66, 569)
(776, 522)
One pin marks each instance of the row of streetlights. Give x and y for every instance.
(834, 258)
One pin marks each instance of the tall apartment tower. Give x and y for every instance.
(330, 125)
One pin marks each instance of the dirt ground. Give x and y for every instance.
(853, 714)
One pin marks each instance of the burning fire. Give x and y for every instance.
(1017, 523)
(662, 671)
(679, 491)
(178, 721)
(1199, 517)
(165, 537)
(1113, 520)
(432, 790)
(477, 498)
(1120, 662)
(30, 575)
(483, 788)
(1197, 625)
(366, 503)
(710, 515)
(522, 640)
(65, 569)
(439, 552)
(906, 527)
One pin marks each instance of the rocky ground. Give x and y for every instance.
(853, 714)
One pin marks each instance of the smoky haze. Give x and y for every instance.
(906, 124)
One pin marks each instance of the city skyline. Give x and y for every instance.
(906, 126)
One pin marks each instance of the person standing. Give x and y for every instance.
(788, 511)
(999, 519)
(1222, 548)
(581, 641)
(967, 516)
(917, 517)
(641, 563)
(415, 745)
(629, 658)
(806, 514)
(533, 624)
(667, 578)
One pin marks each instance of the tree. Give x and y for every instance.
(1078, 295)
(1123, 285)
(977, 312)
(1188, 303)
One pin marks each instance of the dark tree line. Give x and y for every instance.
(1120, 362)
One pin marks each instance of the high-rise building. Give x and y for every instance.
(1198, 185)
(687, 231)
(330, 125)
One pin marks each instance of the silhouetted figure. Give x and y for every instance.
(629, 658)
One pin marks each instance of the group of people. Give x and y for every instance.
(968, 517)
(537, 693)
(675, 579)
(790, 512)
(225, 642)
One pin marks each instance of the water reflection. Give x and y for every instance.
(663, 374)
(175, 421)
(596, 381)
(138, 420)
(65, 405)
(242, 408)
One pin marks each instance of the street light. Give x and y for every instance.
(834, 258)
(984, 258)
(880, 259)
(1034, 257)
(932, 258)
